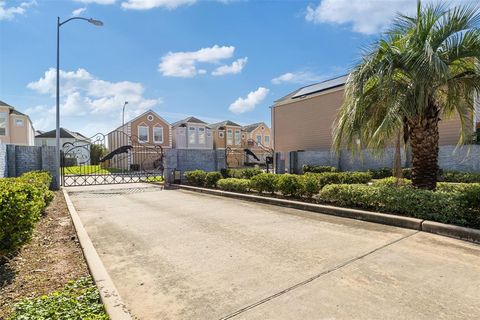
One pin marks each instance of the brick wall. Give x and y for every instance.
(19, 159)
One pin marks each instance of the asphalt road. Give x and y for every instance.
(176, 254)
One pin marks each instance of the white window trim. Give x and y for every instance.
(161, 128)
(6, 123)
(265, 140)
(256, 138)
(18, 119)
(239, 142)
(195, 135)
(204, 136)
(221, 135)
(148, 133)
(231, 139)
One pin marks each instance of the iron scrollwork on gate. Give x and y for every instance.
(109, 159)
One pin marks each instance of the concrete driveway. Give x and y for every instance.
(176, 254)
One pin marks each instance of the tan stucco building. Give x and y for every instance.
(15, 127)
(303, 119)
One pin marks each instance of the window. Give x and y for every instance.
(258, 139)
(267, 141)
(150, 117)
(238, 141)
(3, 123)
(221, 135)
(158, 134)
(19, 122)
(201, 135)
(143, 133)
(192, 135)
(229, 136)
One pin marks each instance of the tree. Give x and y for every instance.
(97, 152)
(424, 68)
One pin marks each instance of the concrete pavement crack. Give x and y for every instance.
(319, 275)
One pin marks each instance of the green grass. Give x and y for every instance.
(79, 300)
(91, 170)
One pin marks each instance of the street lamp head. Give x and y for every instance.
(98, 23)
(126, 102)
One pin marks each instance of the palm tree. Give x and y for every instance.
(424, 68)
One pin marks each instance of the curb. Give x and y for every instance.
(114, 305)
(452, 231)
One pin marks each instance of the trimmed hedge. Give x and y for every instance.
(310, 185)
(246, 173)
(392, 182)
(212, 178)
(381, 173)
(445, 207)
(234, 184)
(264, 182)
(317, 169)
(289, 185)
(196, 177)
(349, 177)
(463, 177)
(22, 201)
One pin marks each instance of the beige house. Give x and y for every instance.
(303, 119)
(138, 143)
(192, 133)
(259, 141)
(229, 136)
(15, 127)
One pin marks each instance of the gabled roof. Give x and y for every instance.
(64, 133)
(12, 109)
(253, 126)
(141, 115)
(3, 104)
(217, 125)
(315, 88)
(188, 120)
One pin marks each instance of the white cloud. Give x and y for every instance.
(184, 64)
(297, 77)
(234, 68)
(150, 4)
(97, 1)
(365, 16)
(87, 100)
(8, 13)
(249, 103)
(78, 11)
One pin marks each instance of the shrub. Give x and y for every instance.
(234, 184)
(225, 172)
(310, 185)
(246, 173)
(407, 173)
(212, 178)
(21, 205)
(392, 182)
(445, 207)
(41, 180)
(289, 185)
(342, 178)
(381, 173)
(78, 300)
(196, 177)
(470, 192)
(317, 169)
(264, 182)
(462, 177)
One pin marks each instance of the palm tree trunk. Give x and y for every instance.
(424, 143)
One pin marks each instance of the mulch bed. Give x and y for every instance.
(46, 263)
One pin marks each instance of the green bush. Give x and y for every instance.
(246, 173)
(310, 185)
(234, 184)
(445, 207)
(349, 177)
(470, 192)
(289, 185)
(264, 182)
(317, 169)
(392, 182)
(196, 177)
(462, 177)
(381, 173)
(212, 178)
(78, 300)
(22, 200)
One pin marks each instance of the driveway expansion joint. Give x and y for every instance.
(315, 277)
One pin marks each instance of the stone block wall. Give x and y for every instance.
(3, 161)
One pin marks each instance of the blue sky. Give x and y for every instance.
(212, 59)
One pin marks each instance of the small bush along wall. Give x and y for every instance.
(317, 169)
(246, 173)
(196, 177)
(212, 178)
(264, 182)
(445, 207)
(234, 184)
(342, 177)
(22, 200)
(457, 176)
(289, 185)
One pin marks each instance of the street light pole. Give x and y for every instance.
(97, 23)
(123, 113)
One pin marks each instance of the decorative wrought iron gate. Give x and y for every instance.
(110, 159)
